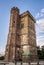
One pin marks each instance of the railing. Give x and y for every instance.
(23, 63)
(29, 63)
(4, 63)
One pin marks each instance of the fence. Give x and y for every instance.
(23, 63)
(30, 63)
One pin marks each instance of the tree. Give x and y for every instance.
(40, 53)
(2, 58)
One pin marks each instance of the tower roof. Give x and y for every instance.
(27, 13)
(15, 9)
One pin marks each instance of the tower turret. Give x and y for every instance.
(10, 47)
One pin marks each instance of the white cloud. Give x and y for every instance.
(40, 42)
(37, 15)
(40, 13)
(42, 10)
(40, 32)
(41, 24)
(2, 53)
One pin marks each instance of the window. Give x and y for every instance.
(24, 39)
(15, 17)
(13, 24)
(13, 21)
(13, 30)
(21, 26)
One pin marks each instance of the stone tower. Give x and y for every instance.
(21, 42)
(11, 41)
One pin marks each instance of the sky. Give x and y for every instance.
(35, 7)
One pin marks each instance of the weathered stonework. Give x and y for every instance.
(21, 37)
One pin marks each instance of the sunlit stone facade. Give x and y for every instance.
(21, 41)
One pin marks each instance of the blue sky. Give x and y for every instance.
(36, 8)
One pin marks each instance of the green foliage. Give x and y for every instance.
(2, 58)
(40, 54)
